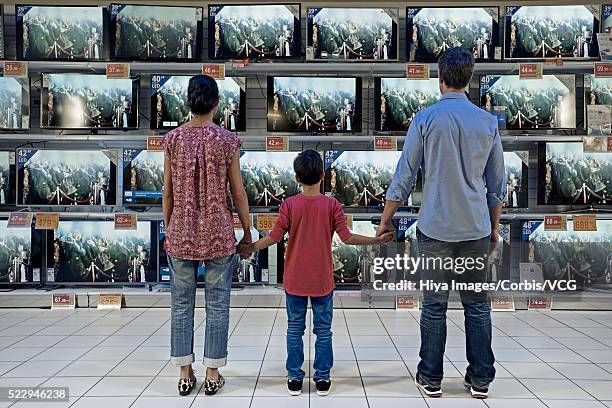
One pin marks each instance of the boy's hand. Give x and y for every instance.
(385, 237)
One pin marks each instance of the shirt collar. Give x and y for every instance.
(454, 95)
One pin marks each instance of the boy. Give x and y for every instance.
(311, 219)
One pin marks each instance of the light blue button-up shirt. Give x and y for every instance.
(458, 148)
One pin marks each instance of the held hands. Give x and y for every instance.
(384, 229)
(245, 246)
(385, 237)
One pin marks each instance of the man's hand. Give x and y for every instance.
(495, 235)
(382, 228)
(245, 243)
(385, 237)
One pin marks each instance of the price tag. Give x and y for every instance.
(17, 69)
(154, 143)
(558, 62)
(417, 71)
(532, 70)
(277, 143)
(46, 221)
(127, 221)
(239, 63)
(238, 225)
(117, 70)
(63, 301)
(110, 301)
(216, 71)
(585, 222)
(594, 144)
(603, 69)
(20, 220)
(539, 303)
(555, 223)
(385, 143)
(265, 222)
(502, 303)
(407, 302)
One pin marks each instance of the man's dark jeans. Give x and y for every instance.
(476, 308)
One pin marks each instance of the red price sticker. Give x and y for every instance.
(239, 63)
(277, 143)
(117, 70)
(555, 223)
(417, 71)
(603, 69)
(531, 70)
(385, 143)
(539, 303)
(17, 69)
(46, 221)
(216, 71)
(63, 301)
(238, 224)
(585, 222)
(502, 303)
(154, 143)
(407, 302)
(265, 222)
(20, 220)
(110, 301)
(126, 221)
(554, 61)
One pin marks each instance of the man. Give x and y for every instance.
(458, 148)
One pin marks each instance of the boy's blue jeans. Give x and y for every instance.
(323, 312)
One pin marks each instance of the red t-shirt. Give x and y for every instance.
(311, 222)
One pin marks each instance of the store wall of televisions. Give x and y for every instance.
(47, 163)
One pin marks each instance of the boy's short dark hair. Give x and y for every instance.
(202, 94)
(308, 167)
(456, 67)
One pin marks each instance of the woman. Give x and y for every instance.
(201, 159)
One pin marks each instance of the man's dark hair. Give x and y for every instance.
(456, 67)
(202, 94)
(308, 167)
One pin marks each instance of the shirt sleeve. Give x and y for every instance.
(495, 174)
(408, 165)
(339, 222)
(282, 223)
(234, 143)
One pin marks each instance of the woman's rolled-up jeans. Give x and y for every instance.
(218, 280)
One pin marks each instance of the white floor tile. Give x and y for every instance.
(455, 403)
(514, 403)
(371, 341)
(582, 371)
(138, 368)
(246, 353)
(390, 387)
(572, 404)
(280, 402)
(87, 368)
(37, 369)
(104, 402)
(77, 386)
(377, 402)
(532, 370)
(119, 386)
(107, 353)
(235, 387)
(376, 354)
(559, 389)
(222, 402)
(601, 390)
(383, 369)
(19, 353)
(332, 401)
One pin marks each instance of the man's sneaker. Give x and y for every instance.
(294, 387)
(477, 392)
(323, 387)
(430, 390)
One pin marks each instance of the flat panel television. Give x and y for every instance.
(90, 252)
(1, 32)
(268, 177)
(169, 102)
(314, 104)
(14, 103)
(517, 166)
(7, 178)
(568, 175)
(353, 264)
(537, 32)
(74, 33)
(66, 177)
(143, 177)
(254, 31)
(432, 30)
(356, 34)
(399, 99)
(547, 103)
(156, 33)
(88, 101)
(17, 263)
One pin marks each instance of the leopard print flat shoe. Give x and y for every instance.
(186, 385)
(212, 386)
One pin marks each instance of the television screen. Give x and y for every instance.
(14, 103)
(73, 33)
(606, 18)
(568, 175)
(143, 177)
(16, 264)
(547, 103)
(597, 90)
(66, 177)
(162, 33)
(314, 104)
(268, 177)
(357, 34)
(432, 30)
(539, 32)
(581, 255)
(7, 178)
(169, 101)
(1, 32)
(88, 101)
(360, 178)
(517, 165)
(95, 252)
(398, 100)
(255, 31)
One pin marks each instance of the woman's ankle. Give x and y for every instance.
(212, 373)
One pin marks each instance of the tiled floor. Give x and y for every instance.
(120, 359)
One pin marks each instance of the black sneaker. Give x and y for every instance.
(294, 387)
(477, 392)
(430, 390)
(323, 387)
